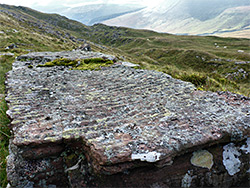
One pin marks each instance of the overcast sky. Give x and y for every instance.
(36, 3)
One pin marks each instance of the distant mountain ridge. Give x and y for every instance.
(95, 13)
(199, 17)
(184, 17)
(208, 9)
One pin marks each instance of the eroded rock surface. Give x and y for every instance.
(118, 127)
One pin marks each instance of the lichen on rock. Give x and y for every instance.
(149, 157)
(202, 159)
(231, 159)
(187, 180)
(246, 148)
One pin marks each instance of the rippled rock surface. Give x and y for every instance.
(121, 127)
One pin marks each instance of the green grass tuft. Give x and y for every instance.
(197, 79)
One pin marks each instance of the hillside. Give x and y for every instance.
(193, 17)
(32, 30)
(22, 27)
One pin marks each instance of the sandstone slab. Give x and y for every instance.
(118, 127)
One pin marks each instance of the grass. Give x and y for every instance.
(4, 141)
(5, 66)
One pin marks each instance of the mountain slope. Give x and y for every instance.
(96, 13)
(208, 9)
(190, 17)
(32, 30)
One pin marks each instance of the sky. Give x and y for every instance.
(72, 3)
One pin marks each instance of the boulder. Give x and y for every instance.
(121, 127)
(85, 47)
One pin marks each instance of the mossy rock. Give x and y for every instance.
(94, 64)
(65, 62)
(60, 62)
(98, 60)
(84, 64)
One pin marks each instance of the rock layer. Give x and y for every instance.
(119, 126)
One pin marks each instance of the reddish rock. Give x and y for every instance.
(121, 127)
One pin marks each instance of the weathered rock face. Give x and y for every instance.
(121, 126)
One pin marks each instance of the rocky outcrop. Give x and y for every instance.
(85, 47)
(121, 127)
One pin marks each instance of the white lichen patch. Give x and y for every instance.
(246, 148)
(149, 157)
(203, 159)
(186, 181)
(231, 159)
(128, 64)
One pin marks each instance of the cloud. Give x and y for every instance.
(26, 2)
(37, 3)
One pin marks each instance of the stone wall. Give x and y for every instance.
(121, 127)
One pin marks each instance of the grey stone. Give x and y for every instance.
(138, 127)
